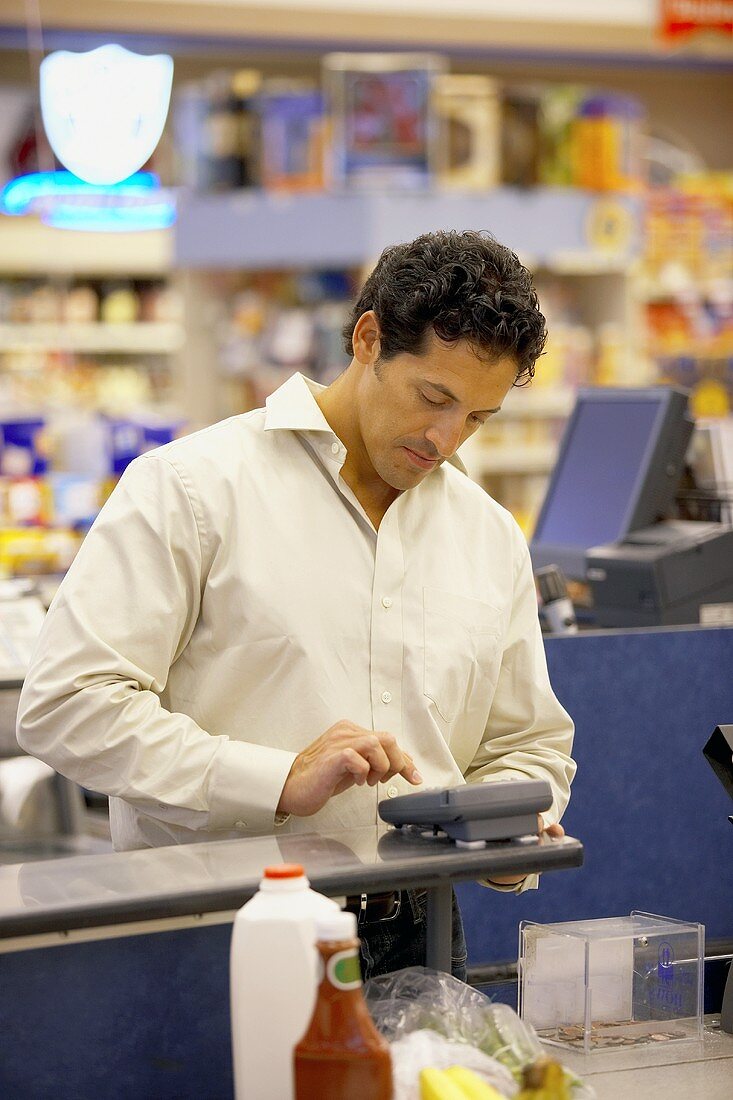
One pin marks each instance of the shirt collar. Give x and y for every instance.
(293, 406)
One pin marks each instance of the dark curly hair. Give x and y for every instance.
(462, 286)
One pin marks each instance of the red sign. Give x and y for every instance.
(684, 17)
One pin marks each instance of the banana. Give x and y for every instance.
(544, 1080)
(435, 1084)
(473, 1087)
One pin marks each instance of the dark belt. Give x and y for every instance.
(374, 907)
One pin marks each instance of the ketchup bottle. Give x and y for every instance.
(342, 1056)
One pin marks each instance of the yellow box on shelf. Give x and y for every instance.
(33, 551)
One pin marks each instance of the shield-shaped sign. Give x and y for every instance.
(104, 110)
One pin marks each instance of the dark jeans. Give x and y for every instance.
(393, 944)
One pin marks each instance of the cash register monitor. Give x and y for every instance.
(619, 465)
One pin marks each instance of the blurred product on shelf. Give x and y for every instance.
(103, 344)
(76, 499)
(558, 111)
(119, 306)
(274, 323)
(521, 147)
(398, 120)
(686, 287)
(55, 500)
(231, 131)
(468, 109)
(58, 301)
(293, 127)
(36, 551)
(571, 136)
(691, 325)
(569, 352)
(688, 233)
(56, 473)
(384, 127)
(236, 130)
(25, 501)
(710, 398)
(23, 447)
(79, 305)
(606, 143)
(33, 379)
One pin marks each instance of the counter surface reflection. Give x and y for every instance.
(219, 876)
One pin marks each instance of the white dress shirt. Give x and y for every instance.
(233, 601)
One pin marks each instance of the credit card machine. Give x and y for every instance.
(474, 812)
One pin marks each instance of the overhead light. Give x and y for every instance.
(66, 202)
(104, 110)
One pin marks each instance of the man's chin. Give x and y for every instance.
(402, 476)
(406, 479)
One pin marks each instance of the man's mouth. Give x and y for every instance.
(419, 460)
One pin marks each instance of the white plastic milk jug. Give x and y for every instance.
(273, 982)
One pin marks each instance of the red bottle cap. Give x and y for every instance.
(284, 870)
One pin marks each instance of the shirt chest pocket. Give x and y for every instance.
(462, 649)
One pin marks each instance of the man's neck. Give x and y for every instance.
(338, 403)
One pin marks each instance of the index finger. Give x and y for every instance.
(401, 763)
(408, 771)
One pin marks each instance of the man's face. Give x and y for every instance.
(416, 410)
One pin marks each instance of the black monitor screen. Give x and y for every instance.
(594, 486)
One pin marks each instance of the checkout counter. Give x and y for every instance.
(114, 968)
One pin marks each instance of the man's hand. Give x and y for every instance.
(554, 831)
(344, 756)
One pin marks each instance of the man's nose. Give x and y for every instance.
(446, 436)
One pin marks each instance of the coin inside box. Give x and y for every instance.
(619, 982)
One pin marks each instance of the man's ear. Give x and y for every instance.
(366, 338)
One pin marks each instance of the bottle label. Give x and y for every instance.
(343, 970)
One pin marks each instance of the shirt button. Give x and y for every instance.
(386, 696)
(392, 792)
(240, 824)
(335, 448)
(386, 601)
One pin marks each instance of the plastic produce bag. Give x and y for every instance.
(427, 1049)
(418, 999)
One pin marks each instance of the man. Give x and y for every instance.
(279, 620)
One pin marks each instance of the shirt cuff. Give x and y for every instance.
(247, 781)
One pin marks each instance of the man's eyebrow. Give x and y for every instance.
(447, 393)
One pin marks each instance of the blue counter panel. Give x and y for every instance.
(139, 1018)
(651, 814)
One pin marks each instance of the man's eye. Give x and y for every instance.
(435, 404)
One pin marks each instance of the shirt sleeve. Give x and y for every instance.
(529, 735)
(90, 706)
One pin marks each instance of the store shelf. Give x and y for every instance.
(253, 229)
(144, 338)
(484, 460)
(525, 403)
(27, 247)
(588, 262)
(530, 29)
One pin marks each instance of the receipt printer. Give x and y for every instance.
(660, 575)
